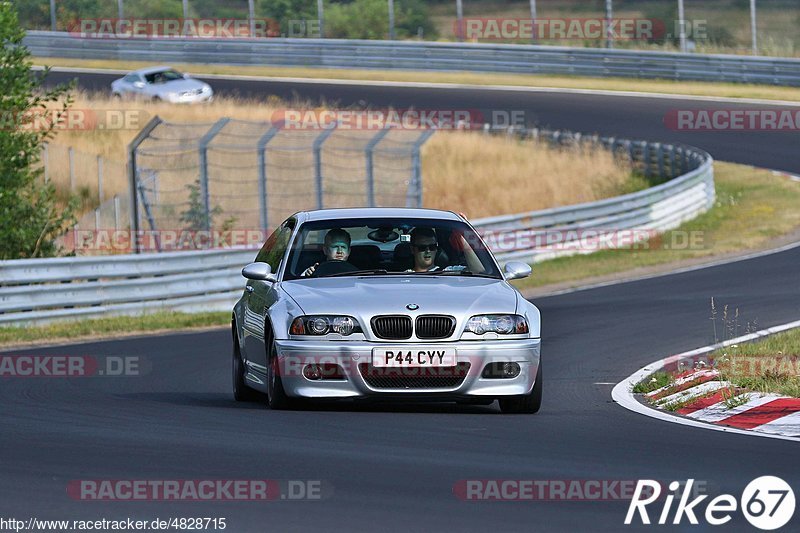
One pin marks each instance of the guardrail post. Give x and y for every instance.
(318, 161)
(660, 156)
(369, 152)
(262, 173)
(203, 151)
(414, 195)
(133, 175)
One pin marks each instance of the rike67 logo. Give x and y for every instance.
(767, 503)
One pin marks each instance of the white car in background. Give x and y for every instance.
(162, 84)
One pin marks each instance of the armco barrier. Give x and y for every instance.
(43, 290)
(416, 55)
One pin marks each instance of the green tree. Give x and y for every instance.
(30, 219)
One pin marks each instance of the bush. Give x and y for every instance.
(369, 19)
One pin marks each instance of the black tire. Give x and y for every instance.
(241, 392)
(276, 395)
(116, 96)
(156, 99)
(525, 403)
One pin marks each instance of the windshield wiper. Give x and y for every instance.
(375, 271)
(460, 273)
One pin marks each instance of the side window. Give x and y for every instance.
(274, 249)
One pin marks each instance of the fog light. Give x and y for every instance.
(312, 372)
(510, 370)
(501, 371)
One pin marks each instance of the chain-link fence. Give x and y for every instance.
(236, 174)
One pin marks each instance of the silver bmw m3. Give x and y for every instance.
(384, 303)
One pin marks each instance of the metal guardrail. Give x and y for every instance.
(43, 290)
(584, 228)
(416, 55)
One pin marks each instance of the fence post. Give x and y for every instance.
(318, 161)
(369, 151)
(116, 212)
(262, 173)
(97, 219)
(415, 185)
(100, 179)
(203, 150)
(52, 15)
(71, 153)
(46, 164)
(132, 174)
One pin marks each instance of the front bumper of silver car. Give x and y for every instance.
(355, 376)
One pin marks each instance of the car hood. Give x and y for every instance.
(180, 85)
(368, 296)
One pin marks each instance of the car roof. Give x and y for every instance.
(374, 212)
(150, 70)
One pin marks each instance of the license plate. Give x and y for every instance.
(420, 356)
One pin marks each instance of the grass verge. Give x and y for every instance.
(110, 327)
(753, 207)
(653, 382)
(770, 365)
(727, 90)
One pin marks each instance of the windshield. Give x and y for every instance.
(388, 246)
(163, 76)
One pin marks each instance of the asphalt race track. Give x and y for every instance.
(625, 116)
(394, 467)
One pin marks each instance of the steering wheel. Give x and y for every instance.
(333, 267)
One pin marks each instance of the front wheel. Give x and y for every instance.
(525, 403)
(276, 395)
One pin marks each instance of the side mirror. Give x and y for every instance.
(516, 270)
(138, 84)
(259, 272)
(187, 77)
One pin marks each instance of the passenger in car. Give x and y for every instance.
(424, 247)
(336, 248)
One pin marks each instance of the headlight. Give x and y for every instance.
(502, 324)
(324, 324)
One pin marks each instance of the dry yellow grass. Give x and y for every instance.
(492, 175)
(479, 174)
